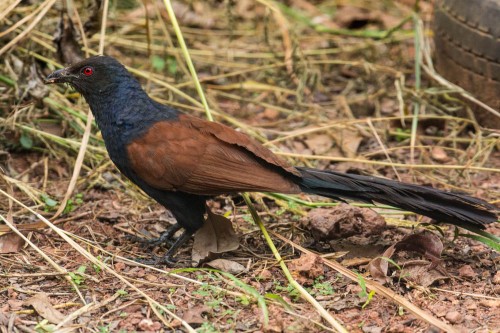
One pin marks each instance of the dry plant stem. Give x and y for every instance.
(416, 104)
(91, 258)
(46, 6)
(187, 57)
(401, 165)
(37, 249)
(156, 269)
(324, 314)
(20, 22)
(5, 11)
(384, 148)
(86, 309)
(378, 288)
(88, 127)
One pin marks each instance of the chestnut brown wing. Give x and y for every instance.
(206, 158)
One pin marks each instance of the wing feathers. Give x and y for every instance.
(206, 158)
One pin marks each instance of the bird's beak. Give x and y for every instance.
(59, 76)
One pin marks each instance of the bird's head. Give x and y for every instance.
(94, 75)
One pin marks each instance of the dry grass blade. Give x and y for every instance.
(89, 257)
(45, 8)
(378, 288)
(325, 314)
(255, 62)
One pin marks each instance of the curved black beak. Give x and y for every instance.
(59, 76)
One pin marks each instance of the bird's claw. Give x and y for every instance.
(167, 260)
(149, 243)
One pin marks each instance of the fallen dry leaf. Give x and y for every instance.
(10, 243)
(319, 144)
(426, 243)
(348, 140)
(418, 271)
(378, 267)
(227, 266)
(41, 303)
(216, 236)
(194, 315)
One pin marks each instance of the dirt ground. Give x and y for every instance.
(339, 101)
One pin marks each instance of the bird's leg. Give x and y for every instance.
(168, 258)
(165, 237)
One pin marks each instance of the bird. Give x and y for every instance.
(181, 161)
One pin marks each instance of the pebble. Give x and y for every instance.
(466, 271)
(454, 317)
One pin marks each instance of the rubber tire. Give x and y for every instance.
(466, 36)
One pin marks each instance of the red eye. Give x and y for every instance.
(88, 71)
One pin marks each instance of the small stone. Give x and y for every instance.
(265, 274)
(372, 329)
(147, 324)
(454, 317)
(439, 154)
(466, 271)
(271, 114)
(151, 277)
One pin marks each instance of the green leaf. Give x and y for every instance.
(172, 65)
(48, 201)
(488, 241)
(158, 63)
(26, 141)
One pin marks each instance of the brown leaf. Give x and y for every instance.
(425, 243)
(10, 243)
(41, 303)
(319, 144)
(348, 140)
(227, 266)
(419, 272)
(378, 267)
(216, 236)
(193, 315)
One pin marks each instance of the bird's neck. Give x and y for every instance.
(125, 113)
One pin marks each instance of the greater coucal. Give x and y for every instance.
(181, 161)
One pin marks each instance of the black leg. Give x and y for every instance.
(165, 237)
(168, 258)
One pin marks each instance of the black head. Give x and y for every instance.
(93, 75)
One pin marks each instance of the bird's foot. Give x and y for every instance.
(150, 243)
(168, 261)
(165, 238)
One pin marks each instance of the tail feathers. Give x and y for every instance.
(453, 208)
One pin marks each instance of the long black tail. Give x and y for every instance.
(457, 209)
